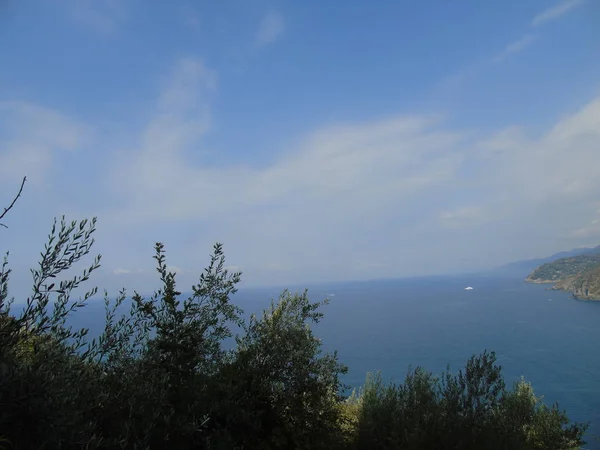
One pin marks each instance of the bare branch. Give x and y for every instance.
(13, 202)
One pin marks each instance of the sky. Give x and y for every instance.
(317, 140)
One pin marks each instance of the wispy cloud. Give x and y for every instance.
(556, 11)
(330, 164)
(548, 15)
(516, 46)
(190, 81)
(181, 118)
(270, 29)
(119, 271)
(407, 184)
(103, 16)
(355, 178)
(33, 136)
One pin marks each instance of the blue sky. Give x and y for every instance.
(317, 140)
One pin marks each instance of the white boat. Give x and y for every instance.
(468, 288)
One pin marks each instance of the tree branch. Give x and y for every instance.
(13, 202)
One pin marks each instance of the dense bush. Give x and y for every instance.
(470, 410)
(158, 377)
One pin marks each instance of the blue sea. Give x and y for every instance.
(546, 336)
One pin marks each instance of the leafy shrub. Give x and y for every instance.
(469, 410)
(286, 389)
(158, 377)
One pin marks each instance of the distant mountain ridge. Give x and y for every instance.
(526, 266)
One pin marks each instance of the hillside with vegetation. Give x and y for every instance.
(159, 376)
(564, 268)
(579, 275)
(585, 286)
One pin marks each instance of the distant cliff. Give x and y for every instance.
(578, 274)
(585, 286)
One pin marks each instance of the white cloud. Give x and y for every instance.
(516, 46)
(340, 164)
(32, 137)
(519, 45)
(548, 15)
(544, 186)
(271, 28)
(175, 269)
(399, 196)
(349, 195)
(190, 80)
(119, 271)
(157, 173)
(556, 11)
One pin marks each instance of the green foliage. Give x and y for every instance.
(577, 274)
(158, 376)
(286, 388)
(542, 427)
(564, 268)
(470, 410)
(164, 357)
(44, 380)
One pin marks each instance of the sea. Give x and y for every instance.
(545, 336)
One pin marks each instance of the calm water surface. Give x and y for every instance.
(546, 336)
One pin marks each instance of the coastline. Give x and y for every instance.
(564, 286)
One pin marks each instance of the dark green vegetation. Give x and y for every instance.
(564, 268)
(578, 274)
(159, 378)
